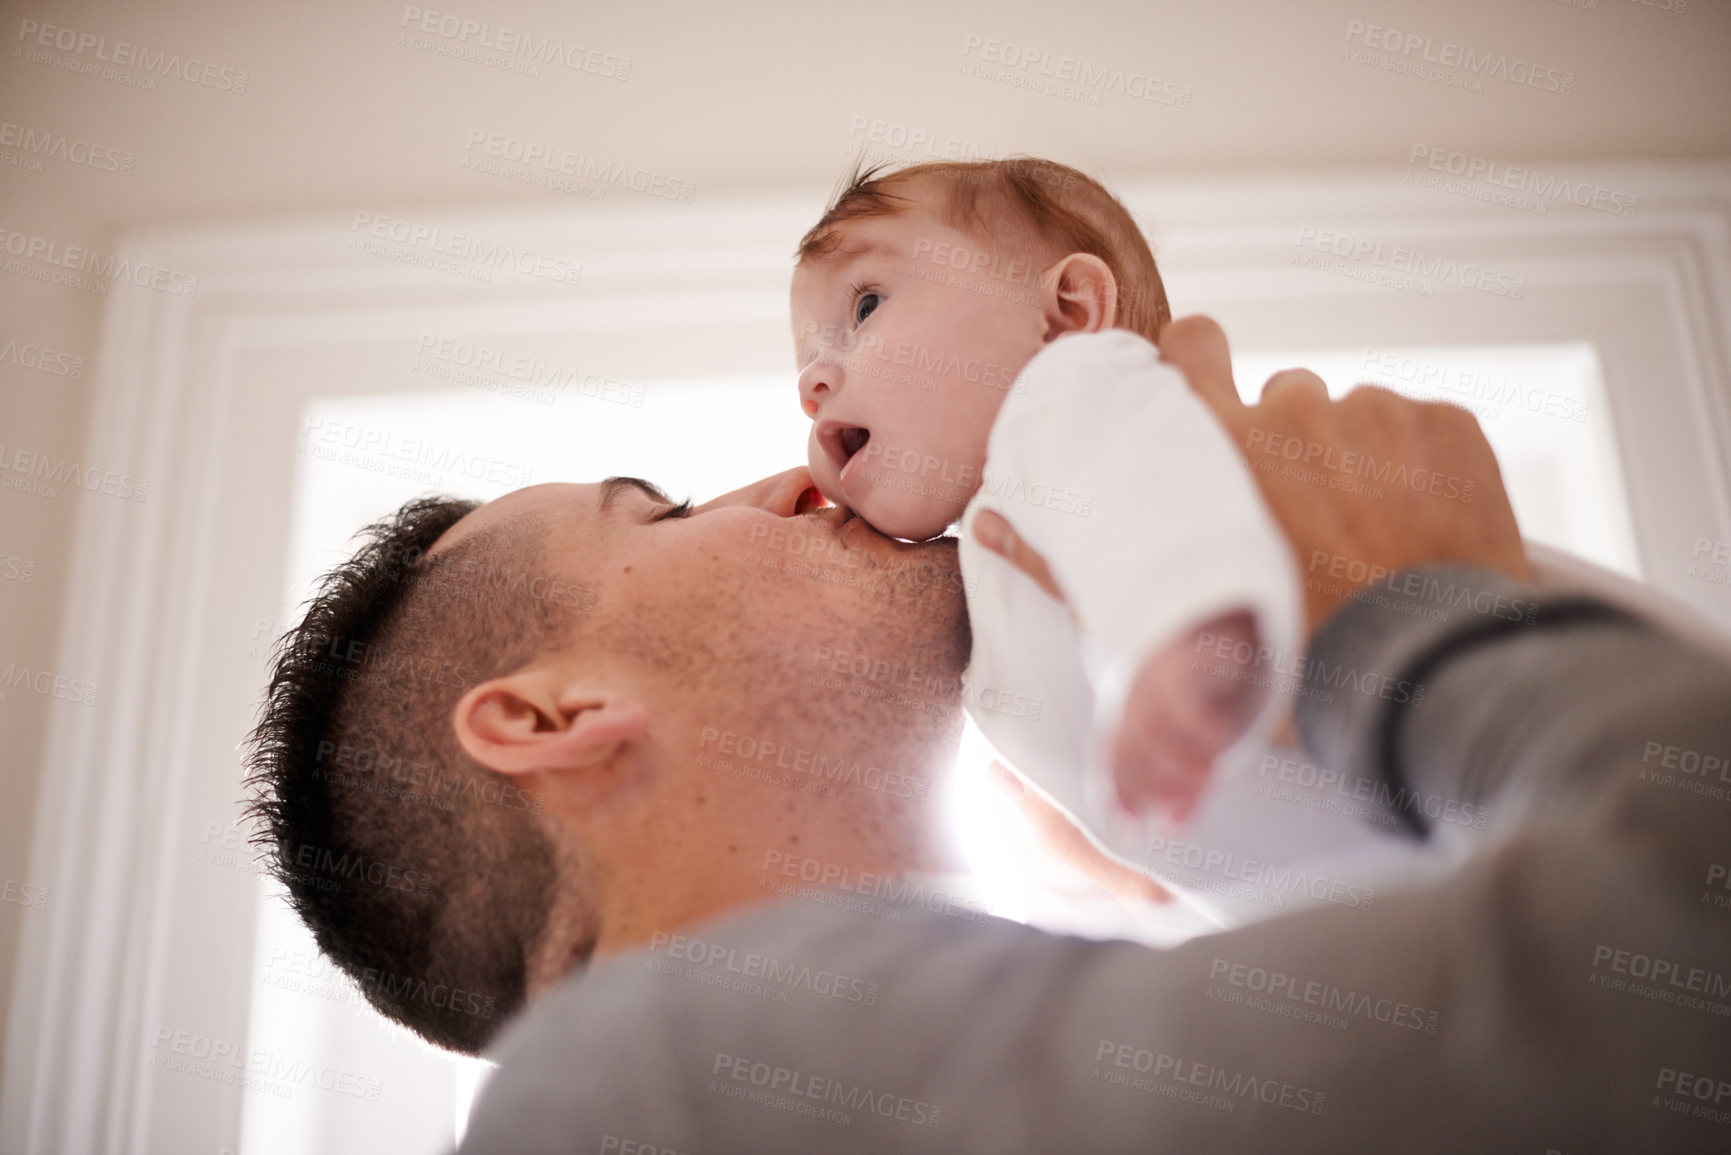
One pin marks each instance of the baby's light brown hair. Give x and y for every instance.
(1016, 203)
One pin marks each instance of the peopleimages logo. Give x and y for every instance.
(533, 372)
(897, 890)
(838, 771)
(1412, 51)
(527, 47)
(43, 360)
(1661, 979)
(433, 241)
(1204, 862)
(1415, 267)
(79, 260)
(274, 1073)
(346, 443)
(1484, 395)
(1546, 188)
(318, 864)
(47, 683)
(753, 966)
(581, 166)
(893, 137)
(441, 996)
(58, 146)
(1070, 77)
(1175, 1075)
(814, 1096)
(126, 55)
(1318, 780)
(46, 474)
(1329, 998)
(341, 761)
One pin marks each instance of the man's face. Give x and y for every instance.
(720, 620)
(908, 339)
(733, 602)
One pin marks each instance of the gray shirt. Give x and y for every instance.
(1567, 988)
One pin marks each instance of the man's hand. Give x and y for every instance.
(1379, 481)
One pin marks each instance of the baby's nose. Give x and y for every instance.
(817, 381)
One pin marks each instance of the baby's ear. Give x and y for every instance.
(1081, 296)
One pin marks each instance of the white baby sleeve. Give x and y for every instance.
(1116, 473)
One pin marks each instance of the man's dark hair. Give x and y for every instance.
(425, 876)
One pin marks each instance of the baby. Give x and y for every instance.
(977, 335)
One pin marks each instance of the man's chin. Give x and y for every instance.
(944, 558)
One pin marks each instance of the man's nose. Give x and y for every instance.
(784, 494)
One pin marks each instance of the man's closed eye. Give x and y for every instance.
(683, 509)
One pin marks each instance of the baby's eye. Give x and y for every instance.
(865, 306)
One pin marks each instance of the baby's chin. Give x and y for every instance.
(914, 517)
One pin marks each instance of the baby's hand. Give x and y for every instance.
(1185, 708)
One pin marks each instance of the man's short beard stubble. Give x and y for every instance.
(906, 615)
(914, 633)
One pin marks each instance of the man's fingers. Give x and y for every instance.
(1197, 347)
(993, 532)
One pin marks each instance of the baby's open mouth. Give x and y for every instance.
(842, 442)
(853, 440)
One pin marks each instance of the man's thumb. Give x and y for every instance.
(1196, 346)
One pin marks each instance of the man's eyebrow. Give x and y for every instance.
(614, 486)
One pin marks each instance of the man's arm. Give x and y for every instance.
(1568, 988)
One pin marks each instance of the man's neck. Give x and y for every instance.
(762, 822)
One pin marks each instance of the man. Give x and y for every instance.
(521, 722)
(618, 717)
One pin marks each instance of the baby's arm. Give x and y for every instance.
(1180, 713)
(1160, 543)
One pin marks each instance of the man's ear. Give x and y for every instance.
(1081, 296)
(534, 721)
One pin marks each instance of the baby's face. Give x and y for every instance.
(909, 338)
